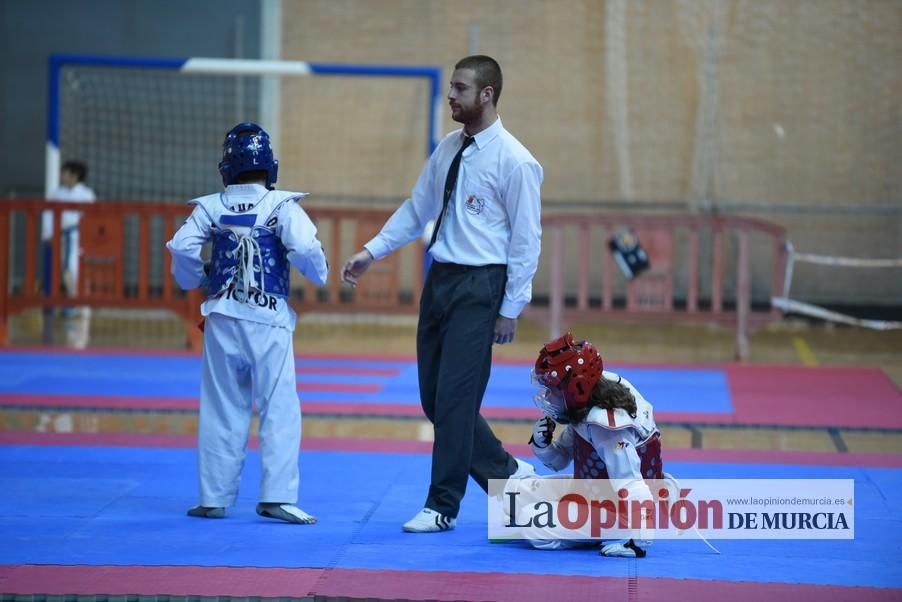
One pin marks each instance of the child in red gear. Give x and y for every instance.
(610, 433)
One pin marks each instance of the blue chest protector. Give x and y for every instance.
(253, 262)
(248, 255)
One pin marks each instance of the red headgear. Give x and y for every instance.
(573, 368)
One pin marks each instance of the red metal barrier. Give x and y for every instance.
(651, 295)
(111, 276)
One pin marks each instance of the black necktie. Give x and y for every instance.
(450, 181)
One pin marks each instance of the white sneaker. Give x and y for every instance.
(625, 548)
(428, 520)
(524, 470)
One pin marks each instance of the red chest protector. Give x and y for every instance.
(588, 465)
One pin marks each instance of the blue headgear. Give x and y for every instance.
(246, 148)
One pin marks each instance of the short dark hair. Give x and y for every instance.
(78, 168)
(488, 73)
(250, 177)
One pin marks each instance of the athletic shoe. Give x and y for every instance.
(207, 512)
(428, 520)
(286, 512)
(524, 470)
(625, 548)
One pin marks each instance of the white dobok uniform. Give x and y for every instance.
(248, 346)
(71, 245)
(610, 444)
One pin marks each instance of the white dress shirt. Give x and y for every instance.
(493, 216)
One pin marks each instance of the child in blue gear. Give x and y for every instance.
(610, 429)
(257, 233)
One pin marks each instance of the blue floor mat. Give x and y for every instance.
(137, 375)
(126, 506)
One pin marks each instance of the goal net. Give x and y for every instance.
(152, 129)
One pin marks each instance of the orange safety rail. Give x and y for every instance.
(651, 295)
(121, 241)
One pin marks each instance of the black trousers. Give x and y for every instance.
(458, 310)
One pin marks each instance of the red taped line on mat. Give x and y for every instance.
(342, 408)
(101, 439)
(412, 585)
(40, 400)
(340, 387)
(404, 446)
(322, 406)
(159, 580)
(308, 406)
(387, 372)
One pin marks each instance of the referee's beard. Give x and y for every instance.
(468, 114)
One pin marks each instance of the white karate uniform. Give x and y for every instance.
(80, 193)
(616, 438)
(77, 319)
(248, 346)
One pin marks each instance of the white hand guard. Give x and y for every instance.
(625, 548)
(542, 432)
